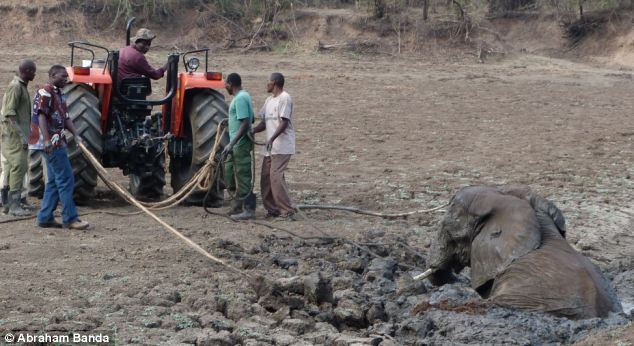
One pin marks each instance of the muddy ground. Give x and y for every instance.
(379, 133)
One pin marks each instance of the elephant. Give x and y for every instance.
(514, 242)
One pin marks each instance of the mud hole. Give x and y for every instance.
(378, 133)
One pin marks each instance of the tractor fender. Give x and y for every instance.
(187, 83)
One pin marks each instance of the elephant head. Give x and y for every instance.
(471, 234)
(505, 235)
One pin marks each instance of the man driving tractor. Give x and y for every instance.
(132, 61)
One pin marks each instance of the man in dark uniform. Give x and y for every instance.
(16, 119)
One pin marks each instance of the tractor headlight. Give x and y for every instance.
(193, 64)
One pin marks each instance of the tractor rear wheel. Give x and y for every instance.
(204, 110)
(83, 108)
(36, 173)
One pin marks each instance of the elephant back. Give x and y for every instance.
(510, 231)
(558, 280)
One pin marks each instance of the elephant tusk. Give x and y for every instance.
(424, 275)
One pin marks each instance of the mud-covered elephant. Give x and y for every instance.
(514, 242)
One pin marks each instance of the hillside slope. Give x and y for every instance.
(609, 37)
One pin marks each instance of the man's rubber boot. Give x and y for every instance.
(25, 204)
(14, 205)
(4, 194)
(249, 209)
(247, 214)
(4, 198)
(236, 207)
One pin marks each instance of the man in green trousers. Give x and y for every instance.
(237, 154)
(15, 116)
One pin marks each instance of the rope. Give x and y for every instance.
(371, 213)
(31, 217)
(128, 197)
(358, 246)
(324, 236)
(202, 179)
(18, 219)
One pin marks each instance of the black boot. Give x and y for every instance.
(236, 207)
(14, 205)
(25, 204)
(4, 196)
(249, 209)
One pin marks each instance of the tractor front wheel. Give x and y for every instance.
(204, 110)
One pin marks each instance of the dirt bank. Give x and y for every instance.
(603, 37)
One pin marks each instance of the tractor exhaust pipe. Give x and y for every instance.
(128, 27)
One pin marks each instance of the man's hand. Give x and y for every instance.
(78, 140)
(48, 147)
(226, 151)
(18, 129)
(269, 145)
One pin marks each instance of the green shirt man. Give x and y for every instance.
(241, 107)
(238, 173)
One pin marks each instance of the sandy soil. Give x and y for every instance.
(377, 133)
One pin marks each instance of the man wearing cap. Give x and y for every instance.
(132, 61)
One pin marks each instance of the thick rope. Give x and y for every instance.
(202, 179)
(128, 197)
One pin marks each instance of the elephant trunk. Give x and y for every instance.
(449, 251)
(442, 265)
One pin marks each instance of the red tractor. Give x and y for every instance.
(118, 125)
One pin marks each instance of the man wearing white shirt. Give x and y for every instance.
(277, 119)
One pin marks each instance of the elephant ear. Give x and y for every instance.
(540, 205)
(509, 231)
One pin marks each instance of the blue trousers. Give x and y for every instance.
(59, 188)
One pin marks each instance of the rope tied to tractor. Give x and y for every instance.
(258, 283)
(204, 179)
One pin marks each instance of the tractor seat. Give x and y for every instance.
(137, 88)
